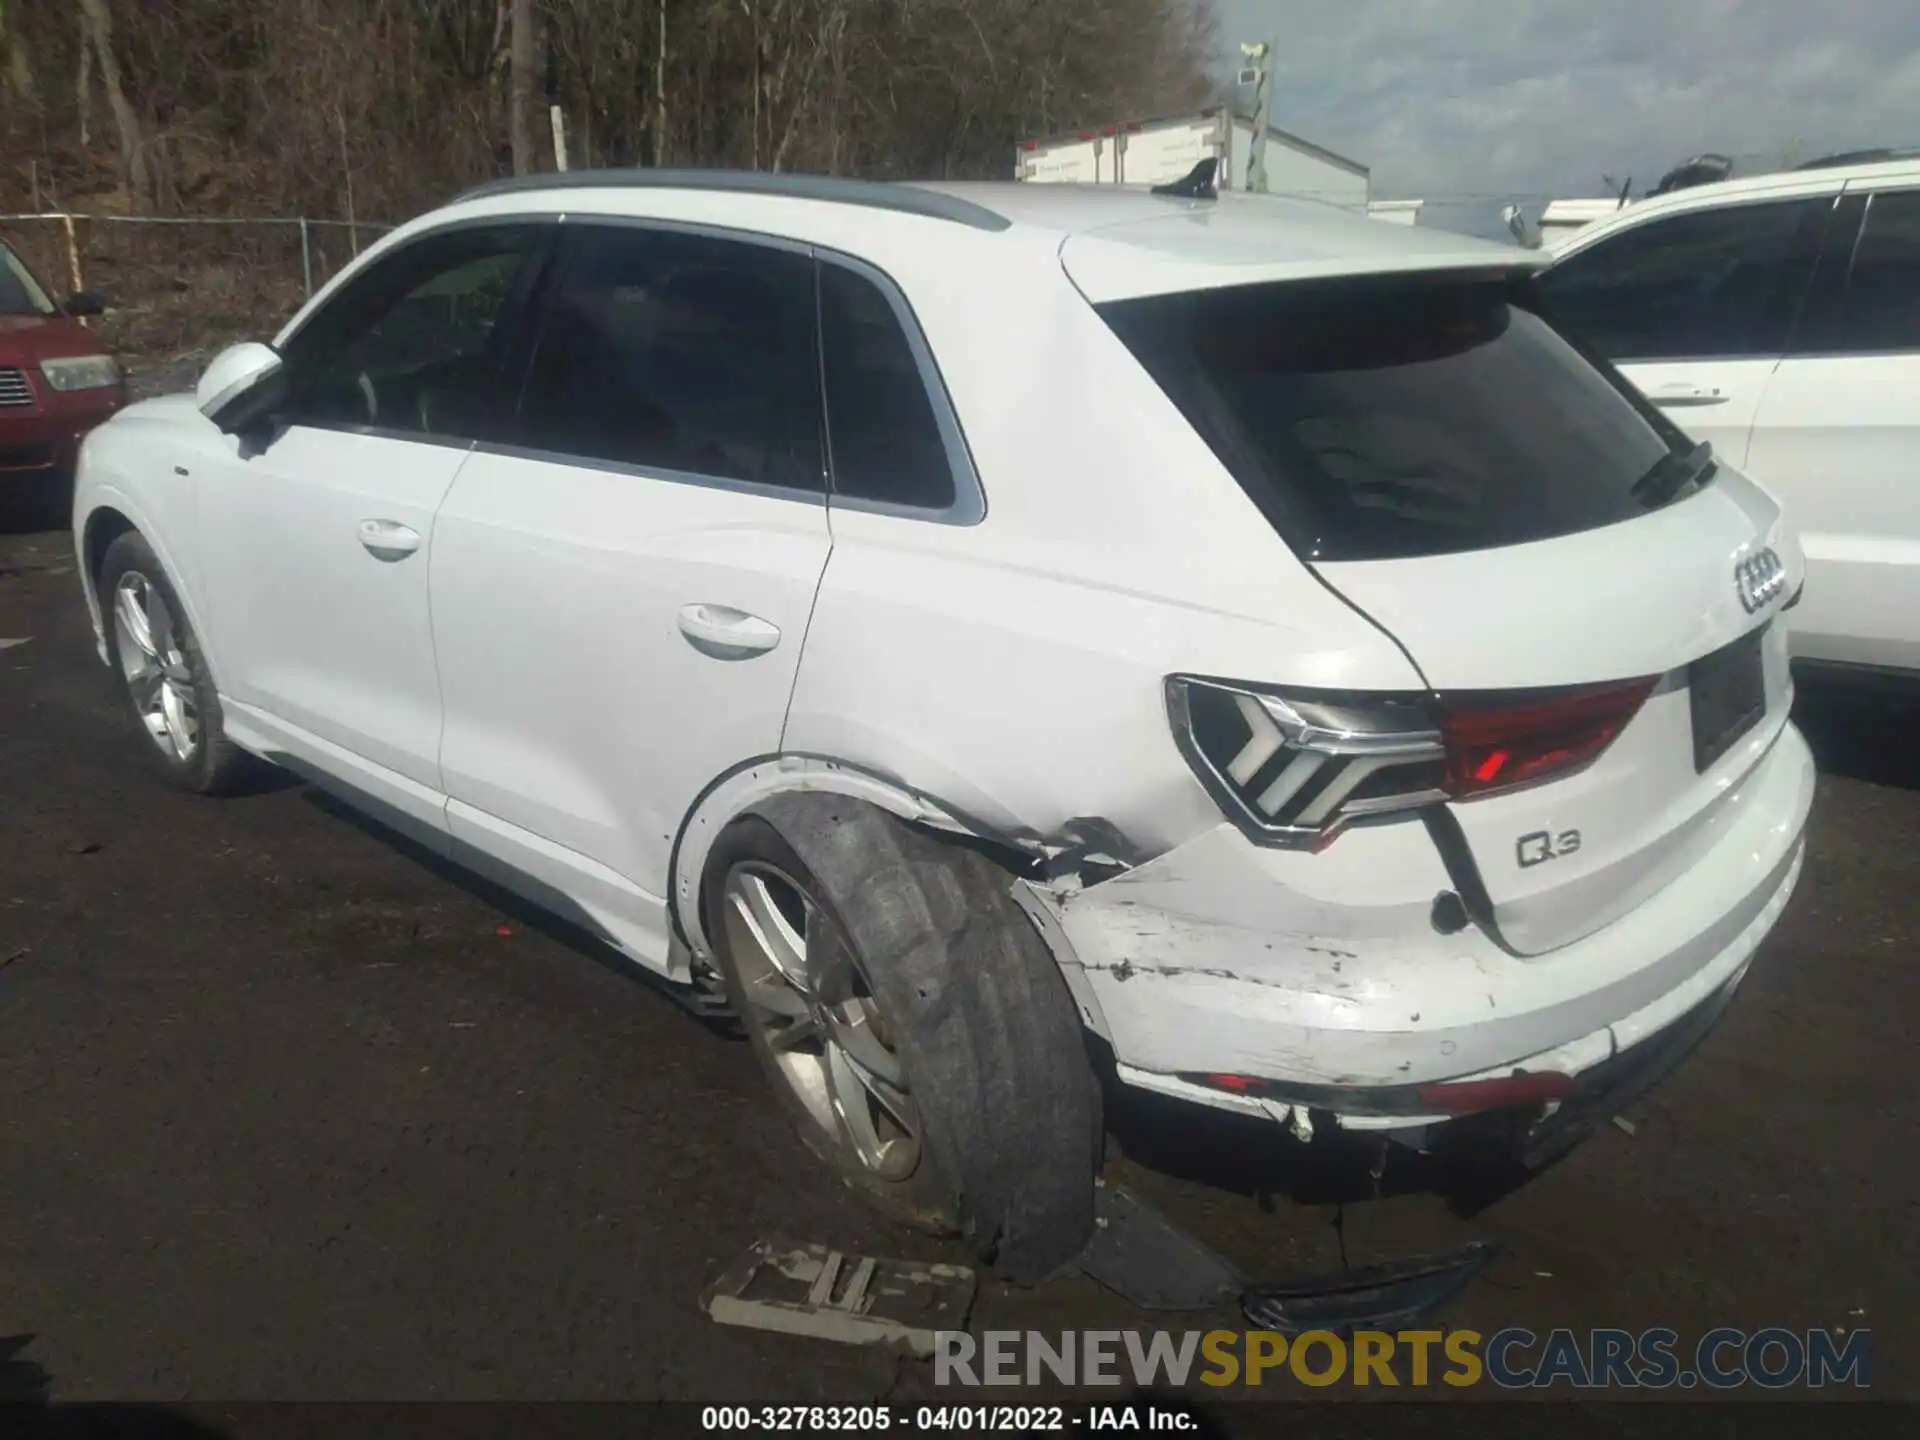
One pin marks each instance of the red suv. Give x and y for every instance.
(57, 380)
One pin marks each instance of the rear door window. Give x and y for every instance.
(682, 354)
(1376, 419)
(1708, 284)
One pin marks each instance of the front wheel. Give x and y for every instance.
(915, 1028)
(163, 677)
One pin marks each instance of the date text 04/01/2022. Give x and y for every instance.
(922, 1419)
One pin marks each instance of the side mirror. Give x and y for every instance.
(243, 386)
(84, 305)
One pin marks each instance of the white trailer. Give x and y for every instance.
(1396, 212)
(1562, 219)
(1154, 152)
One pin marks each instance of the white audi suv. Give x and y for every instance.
(941, 622)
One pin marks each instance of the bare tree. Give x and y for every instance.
(434, 94)
(520, 87)
(96, 28)
(660, 93)
(18, 78)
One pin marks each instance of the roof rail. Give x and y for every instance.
(1857, 157)
(877, 195)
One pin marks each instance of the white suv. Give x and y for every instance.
(1778, 318)
(951, 618)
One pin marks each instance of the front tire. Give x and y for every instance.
(914, 1025)
(162, 675)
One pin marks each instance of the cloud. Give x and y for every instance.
(1450, 99)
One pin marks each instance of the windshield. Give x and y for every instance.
(1391, 417)
(20, 293)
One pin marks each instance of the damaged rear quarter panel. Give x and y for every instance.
(1299, 947)
(1222, 956)
(1015, 667)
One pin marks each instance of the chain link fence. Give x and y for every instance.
(178, 288)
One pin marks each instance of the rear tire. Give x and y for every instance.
(163, 677)
(980, 1092)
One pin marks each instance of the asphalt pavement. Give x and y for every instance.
(293, 1112)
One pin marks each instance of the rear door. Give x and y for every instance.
(1837, 437)
(1590, 604)
(620, 593)
(1695, 307)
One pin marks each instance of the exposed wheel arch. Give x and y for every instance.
(1006, 1111)
(753, 782)
(104, 526)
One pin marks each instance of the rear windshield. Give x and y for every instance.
(1381, 419)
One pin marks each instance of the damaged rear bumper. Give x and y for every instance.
(1327, 994)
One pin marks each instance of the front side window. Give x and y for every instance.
(1381, 418)
(20, 293)
(886, 438)
(682, 353)
(414, 345)
(1881, 312)
(1721, 284)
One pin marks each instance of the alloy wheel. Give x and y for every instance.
(155, 667)
(807, 998)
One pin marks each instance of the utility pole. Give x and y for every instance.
(1260, 75)
(520, 59)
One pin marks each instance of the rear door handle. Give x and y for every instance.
(723, 633)
(1679, 396)
(388, 539)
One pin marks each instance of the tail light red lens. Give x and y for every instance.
(1504, 743)
(1467, 1097)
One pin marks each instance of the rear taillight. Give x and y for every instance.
(1295, 768)
(1501, 742)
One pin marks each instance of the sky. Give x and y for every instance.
(1525, 99)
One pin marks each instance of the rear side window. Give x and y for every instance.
(1882, 307)
(683, 353)
(1381, 419)
(884, 433)
(1721, 284)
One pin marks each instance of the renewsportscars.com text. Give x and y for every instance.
(1515, 1359)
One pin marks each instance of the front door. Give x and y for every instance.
(1838, 440)
(1695, 307)
(319, 538)
(621, 595)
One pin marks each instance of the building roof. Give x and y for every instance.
(1285, 137)
(1578, 212)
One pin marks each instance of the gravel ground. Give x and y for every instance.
(294, 1112)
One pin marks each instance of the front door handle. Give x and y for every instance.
(1680, 396)
(723, 633)
(388, 539)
